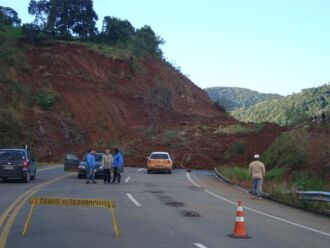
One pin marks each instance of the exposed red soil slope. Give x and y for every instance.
(131, 103)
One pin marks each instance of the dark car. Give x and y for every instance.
(17, 163)
(82, 169)
(71, 162)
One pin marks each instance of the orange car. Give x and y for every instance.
(160, 161)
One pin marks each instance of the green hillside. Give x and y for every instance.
(288, 110)
(233, 97)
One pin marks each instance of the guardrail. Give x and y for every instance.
(314, 195)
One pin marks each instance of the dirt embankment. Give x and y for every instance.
(140, 105)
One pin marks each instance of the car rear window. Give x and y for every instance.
(71, 157)
(98, 157)
(159, 156)
(7, 154)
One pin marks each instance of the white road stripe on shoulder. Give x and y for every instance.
(200, 245)
(133, 200)
(262, 213)
(127, 179)
(140, 169)
(270, 216)
(189, 178)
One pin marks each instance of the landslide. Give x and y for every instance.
(140, 104)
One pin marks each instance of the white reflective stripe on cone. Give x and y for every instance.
(240, 209)
(239, 219)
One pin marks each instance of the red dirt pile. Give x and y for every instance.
(138, 104)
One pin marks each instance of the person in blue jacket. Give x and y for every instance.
(117, 163)
(90, 163)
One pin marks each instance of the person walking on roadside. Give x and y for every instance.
(90, 162)
(117, 163)
(106, 164)
(257, 171)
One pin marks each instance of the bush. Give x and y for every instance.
(275, 173)
(305, 182)
(45, 99)
(234, 150)
(284, 153)
(10, 129)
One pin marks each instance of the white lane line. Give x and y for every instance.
(200, 245)
(269, 215)
(133, 200)
(141, 169)
(127, 179)
(189, 178)
(49, 168)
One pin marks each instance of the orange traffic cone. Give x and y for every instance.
(239, 228)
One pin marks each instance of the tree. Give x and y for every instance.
(9, 16)
(115, 30)
(30, 31)
(147, 40)
(40, 10)
(66, 17)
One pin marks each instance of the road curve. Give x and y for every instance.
(158, 210)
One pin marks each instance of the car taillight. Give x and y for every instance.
(149, 161)
(168, 161)
(25, 164)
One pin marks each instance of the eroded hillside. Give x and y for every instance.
(139, 104)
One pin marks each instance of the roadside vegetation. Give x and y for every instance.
(296, 161)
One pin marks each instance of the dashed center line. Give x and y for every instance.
(133, 200)
(127, 179)
(200, 245)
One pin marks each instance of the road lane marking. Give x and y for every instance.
(189, 178)
(5, 214)
(127, 179)
(20, 201)
(133, 200)
(141, 169)
(50, 167)
(200, 245)
(270, 216)
(262, 213)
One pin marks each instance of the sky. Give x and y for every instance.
(271, 46)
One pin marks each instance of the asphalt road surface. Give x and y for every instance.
(152, 210)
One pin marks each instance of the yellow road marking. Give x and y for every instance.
(19, 204)
(98, 203)
(114, 222)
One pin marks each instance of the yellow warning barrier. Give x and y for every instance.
(97, 203)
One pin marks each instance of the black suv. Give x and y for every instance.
(17, 163)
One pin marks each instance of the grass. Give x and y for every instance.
(281, 185)
(235, 130)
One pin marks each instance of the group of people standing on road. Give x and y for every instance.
(109, 163)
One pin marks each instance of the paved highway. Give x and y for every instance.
(153, 210)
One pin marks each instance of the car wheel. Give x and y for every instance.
(4, 179)
(169, 171)
(34, 175)
(148, 171)
(26, 179)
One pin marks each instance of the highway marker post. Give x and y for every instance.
(97, 203)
